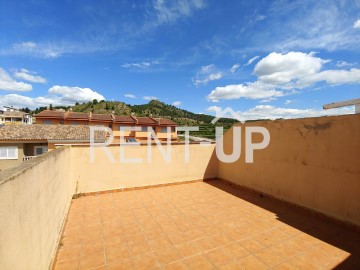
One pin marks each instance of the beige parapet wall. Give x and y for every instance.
(312, 162)
(34, 200)
(102, 174)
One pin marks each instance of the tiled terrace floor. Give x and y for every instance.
(200, 226)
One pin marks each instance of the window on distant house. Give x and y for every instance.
(75, 123)
(8, 152)
(39, 150)
(163, 129)
(47, 122)
(173, 129)
(144, 128)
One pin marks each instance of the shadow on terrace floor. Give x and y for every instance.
(343, 241)
(201, 225)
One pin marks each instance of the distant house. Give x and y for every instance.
(19, 143)
(10, 115)
(161, 126)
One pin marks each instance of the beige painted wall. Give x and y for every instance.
(104, 175)
(313, 162)
(34, 199)
(9, 163)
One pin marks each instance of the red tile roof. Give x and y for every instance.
(77, 115)
(48, 133)
(166, 122)
(50, 114)
(146, 121)
(101, 117)
(124, 119)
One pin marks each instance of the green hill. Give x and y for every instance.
(154, 108)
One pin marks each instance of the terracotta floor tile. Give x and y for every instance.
(220, 239)
(67, 265)
(251, 263)
(269, 256)
(199, 262)
(251, 244)
(304, 262)
(160, 243)
(177, 238)
(92, 260)
(175, 266)
(95, 247)
(145, 262)
(235, 250)
(235, 265)
(69, 253)
(205, 244)
(139, 249)
(167, 255)
(116, 253)
(285, 266)
(125, 264)
(153, 233)
(188, 249)
(218, 257)
(286, 249)
(175, 226)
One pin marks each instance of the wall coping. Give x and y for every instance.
(11, 173)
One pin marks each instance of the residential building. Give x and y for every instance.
(161, 126)
(295, 207)
(20, 143)
(10, 115)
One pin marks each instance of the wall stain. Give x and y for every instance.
(318, 127)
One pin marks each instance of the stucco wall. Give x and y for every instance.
(313, 162)
(9, 163)
(34, 199)
(105, 175)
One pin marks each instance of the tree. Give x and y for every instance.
(76, 103)
(51, 107)
(95, 101)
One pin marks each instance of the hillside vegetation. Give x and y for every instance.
(154, 108)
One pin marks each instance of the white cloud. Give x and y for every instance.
(343, 64)
(57, 95)
(150, 98)
(129, 96)
(9, 84)
(72, 94)
(28, 75)
(176, 103)
(21, 101)
(255, 90)
(170, 11)
(332, 77)
(140, 65)
(207, 74)
(234, 67)
(312, 25)
(43, 50)
(288, 101)
(56, 49)
(357, 24)
(277, 68)
(214, 109)
(272, 112)
(252, 60)
(283, 74)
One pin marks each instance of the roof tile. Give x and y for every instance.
(48, 133)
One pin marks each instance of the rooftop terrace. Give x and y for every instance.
(295, 207)
(200, 226)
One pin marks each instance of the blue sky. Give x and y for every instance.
(264, 59)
